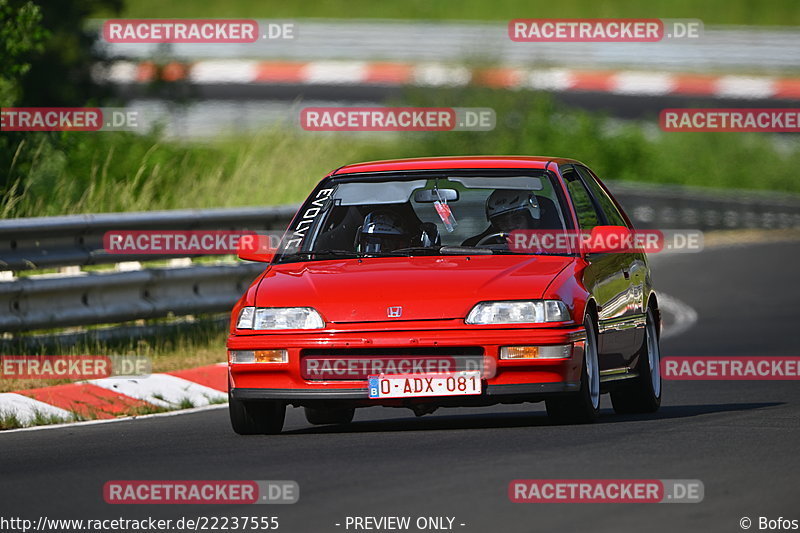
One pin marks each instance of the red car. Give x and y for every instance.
(396, 285)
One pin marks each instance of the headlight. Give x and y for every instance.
(279, 318)
(245, 320)
(518, 312)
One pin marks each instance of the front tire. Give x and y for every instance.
(643, 393)
(256, 417)
(583, 406)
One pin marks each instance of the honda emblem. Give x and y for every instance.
(394, 312)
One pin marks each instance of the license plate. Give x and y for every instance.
(411, 385)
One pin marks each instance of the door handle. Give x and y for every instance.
(626, 274)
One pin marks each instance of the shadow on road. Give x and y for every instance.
(685, 411)
(521, 419)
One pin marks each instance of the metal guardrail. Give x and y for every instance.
(100, 298)
(54, 301)
(42, 242)
(680, 207)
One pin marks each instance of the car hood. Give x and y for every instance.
(425, 287)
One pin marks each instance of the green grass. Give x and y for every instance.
(532, 124)
(185, 346)
(106, 172)
(216, 400)
(41, 419)
(148, 409)
(11, 421)
(115, 171)
(185, 403)
(770, 12)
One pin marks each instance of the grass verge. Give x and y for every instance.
(189, 346)
(12, 421)
(773, 12)
(115, 171)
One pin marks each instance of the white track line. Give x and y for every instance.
(684, 316)
(115, 420)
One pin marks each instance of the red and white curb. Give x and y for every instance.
(649, 83)
(110, 398)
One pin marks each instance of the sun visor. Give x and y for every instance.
(390, 192)
(523, 183)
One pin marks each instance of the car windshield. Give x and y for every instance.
(442, 214)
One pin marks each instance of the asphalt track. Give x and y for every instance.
(740, 438)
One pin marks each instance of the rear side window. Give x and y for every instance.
(584, 207)
(613, 216)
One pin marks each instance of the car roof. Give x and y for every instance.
(451, 163)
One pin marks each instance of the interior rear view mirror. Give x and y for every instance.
(428, 196)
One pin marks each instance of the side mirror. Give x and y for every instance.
(609, 239)
(253, 247)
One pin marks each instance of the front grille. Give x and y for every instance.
(398, 352)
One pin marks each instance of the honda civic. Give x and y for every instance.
(398, 284)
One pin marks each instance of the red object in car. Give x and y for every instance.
(395, 285)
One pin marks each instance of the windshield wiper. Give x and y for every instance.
(444, 250)
(402, 252)
(346, 253)
(464, 250)
(311, 253)
(411, 249)
(512, 252)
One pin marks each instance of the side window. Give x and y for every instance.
(584, 207)
(606, 203)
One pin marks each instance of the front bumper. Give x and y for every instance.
(512, 380)
(492, 394)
